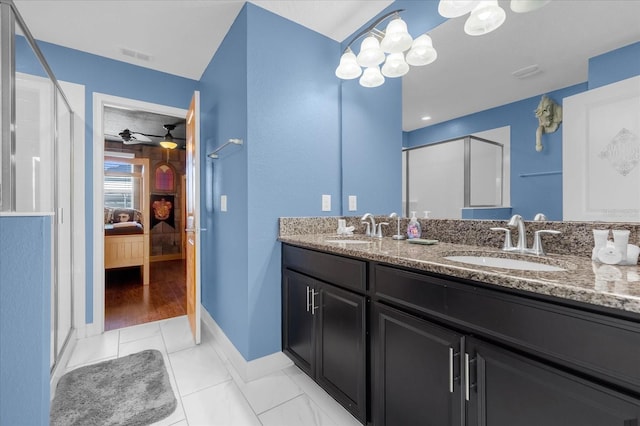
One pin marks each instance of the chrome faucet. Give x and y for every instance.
(517, 221)
(371, 231)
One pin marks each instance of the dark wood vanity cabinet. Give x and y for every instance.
(324, 325)
(416, 371)
(506, 389)
(444, 351)
(515, 361)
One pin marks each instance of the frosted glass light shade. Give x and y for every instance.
(396, 38)
(168, 144)
(422, 51)
(371, 77)
(395, 65)
(348, 68)
(455, 8)
(523, 6)
(370, 53)
(486, 17)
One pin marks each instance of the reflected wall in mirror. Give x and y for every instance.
(576, 46)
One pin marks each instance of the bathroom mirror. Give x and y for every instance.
(531, 54)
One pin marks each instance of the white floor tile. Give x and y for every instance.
(153, 342)
(177, 334)
(197, 368)
(299, 411)
(95, 348)
(138, 332)
(269, 391)
(220, 405)
(329, 405)
(208, 389)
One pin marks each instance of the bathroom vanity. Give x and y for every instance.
(400, 335)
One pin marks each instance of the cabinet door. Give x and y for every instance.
(341, 354)
(507, 390)
(297, 319)
(415, 371)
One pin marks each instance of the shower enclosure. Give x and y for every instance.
(36, 162)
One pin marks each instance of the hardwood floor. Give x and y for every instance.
(128, 302)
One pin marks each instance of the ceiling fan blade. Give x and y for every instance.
(141, 137)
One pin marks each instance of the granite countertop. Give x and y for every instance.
(616, 287)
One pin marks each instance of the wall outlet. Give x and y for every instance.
(326, 203)
(223, 203)
(353, 203)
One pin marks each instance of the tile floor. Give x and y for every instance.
(208, 389)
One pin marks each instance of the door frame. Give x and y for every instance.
(100, 100)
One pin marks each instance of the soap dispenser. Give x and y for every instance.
(413, 229)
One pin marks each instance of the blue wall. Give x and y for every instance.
(613, 66)
(293, 149)
(530, 195)
(223, 110)
(102, 75)
(25, 319)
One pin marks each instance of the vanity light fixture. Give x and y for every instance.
(486, 15)
(387, 48)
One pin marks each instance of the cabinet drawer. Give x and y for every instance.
(596, 344)
(342, 271)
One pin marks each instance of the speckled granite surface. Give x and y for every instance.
(616, 287)
(576, 238)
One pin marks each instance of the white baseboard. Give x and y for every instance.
(248, 370)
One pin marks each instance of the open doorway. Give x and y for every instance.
(132, 291)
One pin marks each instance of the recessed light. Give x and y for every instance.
(426, 118)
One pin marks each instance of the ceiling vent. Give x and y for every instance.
(135, 54)
(527, 72)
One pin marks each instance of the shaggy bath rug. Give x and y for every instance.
(132, 390)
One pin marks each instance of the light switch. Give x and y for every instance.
(326, 203)
(223, 203)
(353, 203)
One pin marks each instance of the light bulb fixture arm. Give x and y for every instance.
(234, 141)
(372, 30)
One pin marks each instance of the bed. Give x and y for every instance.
(125, 242)
(126, 232)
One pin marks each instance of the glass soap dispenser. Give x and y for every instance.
(413, 228)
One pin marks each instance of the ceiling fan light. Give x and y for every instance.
(397, 38)
(485, 17)
(370, 53)
(168, 144)
(422, 51)
(348, 68)
(371, 77)
(395, 66)
(523, 6)
(455, 8)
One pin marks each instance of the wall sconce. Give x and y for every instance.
(486, 15)
(214, 154)
(386, 47)
(549, 116)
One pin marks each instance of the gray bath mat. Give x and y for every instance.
(132, 390)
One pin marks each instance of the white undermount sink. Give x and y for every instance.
(506, 263)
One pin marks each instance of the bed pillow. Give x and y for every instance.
(117, 215)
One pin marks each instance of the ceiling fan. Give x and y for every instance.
(130, 137)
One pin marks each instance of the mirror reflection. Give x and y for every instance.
(498, 80)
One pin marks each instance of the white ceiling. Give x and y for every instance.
(181, 36)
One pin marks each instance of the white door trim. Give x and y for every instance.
(99, 102)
